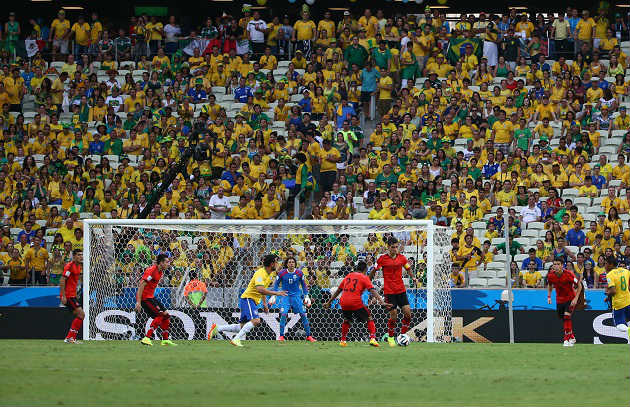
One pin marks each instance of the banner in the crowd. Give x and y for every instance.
(457, 48)
(594, 327)
(31, 47)
(196, 43)
(463, 299)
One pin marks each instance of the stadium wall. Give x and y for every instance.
(468, 326)
(463, 299)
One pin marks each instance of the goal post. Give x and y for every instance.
(213, 261)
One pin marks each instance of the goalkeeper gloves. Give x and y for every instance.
(307, 301)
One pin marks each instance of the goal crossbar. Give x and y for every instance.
(269, 227)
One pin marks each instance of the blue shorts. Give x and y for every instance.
(294, 303)
(621, 316)
(249, 309)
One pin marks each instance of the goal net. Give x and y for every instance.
(213, 261)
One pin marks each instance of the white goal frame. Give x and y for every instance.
(425, 224)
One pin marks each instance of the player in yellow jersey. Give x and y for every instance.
(250, 299)
(618, 293)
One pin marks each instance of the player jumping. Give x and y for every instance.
(619, 293)
(394, 288)
(566, 297)
(292, 281)
(145, 300)
(250, 299)
(68, 293)
(352, 306)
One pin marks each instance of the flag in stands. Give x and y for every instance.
(457, 46)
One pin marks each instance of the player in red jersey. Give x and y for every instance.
(68, 294)
(567, 297)
(394, 288)
(352, 306)
(145, 300)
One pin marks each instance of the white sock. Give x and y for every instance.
(229, 328)
(244, 330)
(622, 327)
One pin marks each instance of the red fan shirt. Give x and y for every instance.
(353, 286)
(392, 273)
(152, 276)
(565, 285)
(72, 271)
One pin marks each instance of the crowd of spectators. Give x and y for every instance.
(373, 115)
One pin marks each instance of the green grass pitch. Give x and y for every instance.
(297, 373)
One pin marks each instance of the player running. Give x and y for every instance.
(250, 299)
(68, 294)
(145, 300)
(352, 306)
(394, 288)
(619, 293)
(566, 296)
(292, 281)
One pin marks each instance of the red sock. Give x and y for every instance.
(568, 327)
(156, 322)
(166, 322)
(405, 325)
(391, 327)
(74, 328)
(345, 327)
(371, 328)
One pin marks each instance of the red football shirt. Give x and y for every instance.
(353, 286)
(564, 285)
(152, 276)
(72, 271)
(392, 273)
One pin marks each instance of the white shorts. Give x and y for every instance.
(490, 51)
(62, 45)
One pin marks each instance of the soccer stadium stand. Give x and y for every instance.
(367, 117)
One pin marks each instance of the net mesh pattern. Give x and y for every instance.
(211, 265)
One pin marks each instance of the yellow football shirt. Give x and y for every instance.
(619, 279)
(304, 29)
(503, 131)
(260, 278)
(531, 279)
(37, 259)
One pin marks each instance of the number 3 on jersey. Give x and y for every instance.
(351, 282)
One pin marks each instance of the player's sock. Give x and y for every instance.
(622, 327)
(244, 330)
(405, 325)
(229, 328)
(345, 327)
(166, 323)
(306, 324)
(371, 329)
(568, 327)
(283, 323)
(391, 327)
(154, 324)
(74, 328)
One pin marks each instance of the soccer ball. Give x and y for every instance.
(403, 340)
